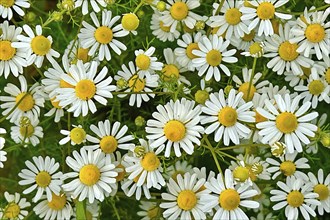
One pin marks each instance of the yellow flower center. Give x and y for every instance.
(40, 45)
(233, 16)
(58, 202)
(245, 89)
(277, 149)
(241, 173)
(174, 130)
(322, 190)
(249, 37)
(164, 28)
(227, 116)
(187, 200)
(130, 22)
(179, 11)
(306, 72)
(295, 198)
(315, 33)
(150, 161)
(190, 48)
(201, 96)
(136, 84)
(77, 135)
(89, 174)
(287, 51)
(275, 25)
(259, 118)
(266, 10)
(327, 76)
(26, 130)
(214, 57)
(229, 199)
(108, 144)
(255, 48)
(286, 122)
(7, 3)
(12, 210)
(82, 54)
(43, 179)
(85, 89)
(170, 71)
(121, 175)
(142, 61)
(152, 213)
(176, 173)
(64, 84)
(7, 51)
(257, 168)
(316, 87)
(55, 104)
(103, 35)
(26, 103)
(288, 168)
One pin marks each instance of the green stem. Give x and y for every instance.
(209, 146)
(51, 19)
(138, 6)
(251, 77)
(313, 10)
(112, 202)
(242, 145)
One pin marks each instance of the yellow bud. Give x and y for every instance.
(139, 121)
(161, 6)
(201, 96)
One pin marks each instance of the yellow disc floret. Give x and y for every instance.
(150, 161)
(288, 168)
(121, 175)
(77, 135)
(245, 89)
(108, 144)
(142, 61)
(286, 122)
(256, 49)
(170, 71)
(174, 130)
(322, 190)
(233, 16)
(43, 179)
(27, 103)
(58, 202)
(295, 198)
(136, 84)
(316, 87)
(266, 10)
(7, 51)
(152, 213)
(190, 48)
(89, 174)
(179, 11)
(227, 116)
(130, 22)
(287, 51)
(82, 54)
(241, 173)
(40, 45)
(229, 199)
(55, 104)
(315, 33)
(12, 210)
(187, 200)
(103, 35)
(26, 130)
(85, 89)
(164, 28)
(249, 37)
(214, 57)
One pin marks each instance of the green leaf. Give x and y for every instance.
(81, 210)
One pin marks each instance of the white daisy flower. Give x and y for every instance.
(76, 135)
(211, 54)
(99, 39)
(245, 85)
(272, 90)
(130, 187)
(56, 109)
(321, 186)
(94, 3)
(175, 124)
(183, 199)
(92, 175)
(294, 195)
(139, 84)
(88, 85)
(180, 167)
(12, 60)
(316, 90)
(7, 6)
(145, 63)
(150, 211)
(184, 51)
(15, 207)
(227, 116)
(120, 163)
(228, 198)
(256, 49)
(284, 54)
(230, 22)
(178, 11)
(202, 94)
(58, 208)
(92, 211)
(30, 100)
(3, 153)
(36, 46)
(109, 137)
(261, 12)
(44, 177)
(74, 51)
(278, 149)
(258, 101)
(244, 43)
(288, 166)
(287, 120)
(160, 31)
(26, 131)
(130, 22)
(313, 32)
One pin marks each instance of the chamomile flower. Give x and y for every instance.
(30, 100)
(92, 175)
(56, 109)
(211, 54)
(44, 177)
(160, 31)
(244, 43)
(180, 167)
(284, 54)
(130, 188)
(294, 195)
(227, 199)
(3, 153)
(7, 6)
(175, 124)
(110, 137)
(119, 161)
(74, 51)
(288, 166)
(58, 208)
(12, 60)
(94, 3)
(313, 146)
(256, 49)
(184, 51)
(76, 135)
(26, 130)
(230, 22)
(321, 186)
(37, 46)
(136, 83)
(287, 120)
(130, 22)
(227, 116)
(261, 12)
(15, 207)
(312, 31)
(245, 85)
(272, 90)
(317, 90)
(150, 211)
(183, 198)
(98, 39)
(88, 85)
(145, 63)
(178, 11)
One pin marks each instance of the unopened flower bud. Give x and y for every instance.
(201, 96)
(57, 16)
(227, 89)
(30, 16)
(68, 5)
(130, 22)
(139, 121)
(325, 139)
(200, 25)
(161, 6)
